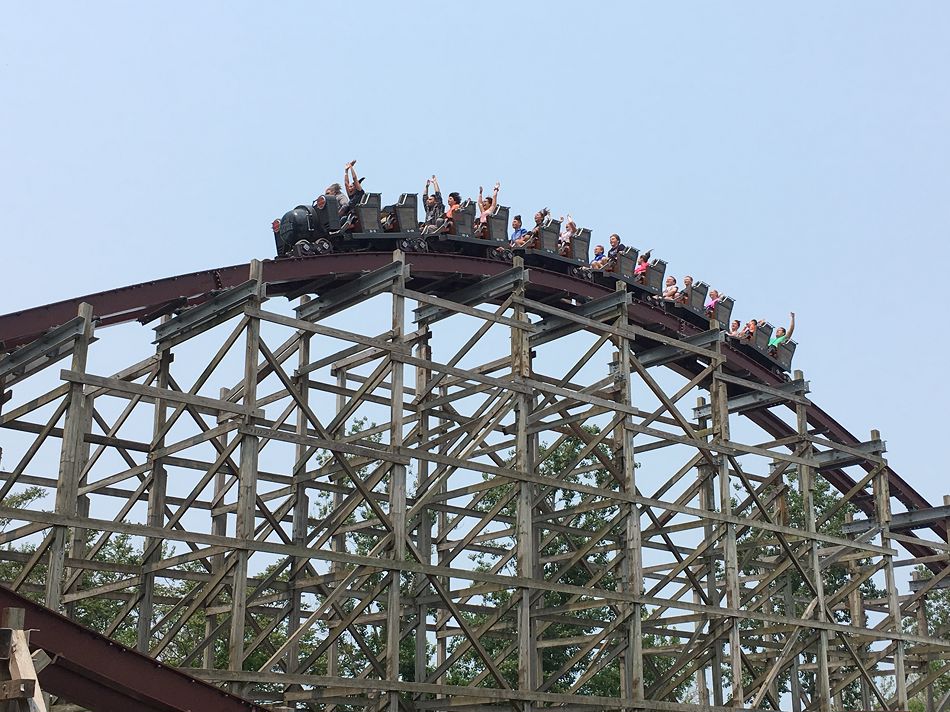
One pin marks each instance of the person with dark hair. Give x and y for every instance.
(517, 231)
(617, 248)
(670, 290)
(455, 202)
(532, 239)
(354, 193)
(686, 292)
(485, 208)
(275, 226)
(734, 329)
(748, 331)
(599, 255)
(781, 336)
(640, 271)
(609, 261)
(434, 208)
(354, 186)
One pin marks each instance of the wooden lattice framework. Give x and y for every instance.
(693, 573)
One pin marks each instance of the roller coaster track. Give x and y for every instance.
(283, 607)
(91, 670)
(139, 301)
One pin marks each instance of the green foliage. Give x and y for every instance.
(595, 518)
(937, 610)
(598, 568)
(21, 500)
(760, 551)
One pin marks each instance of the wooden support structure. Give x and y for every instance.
(504, 502)
(20, 690)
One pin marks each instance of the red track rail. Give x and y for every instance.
(90, 670)
(129, 303)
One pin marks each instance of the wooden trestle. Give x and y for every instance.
(313, 497)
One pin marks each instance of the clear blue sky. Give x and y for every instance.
(797, 156)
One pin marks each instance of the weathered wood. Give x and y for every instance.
(278, 581)
(247, 480)
(156, 509)
(72, 460)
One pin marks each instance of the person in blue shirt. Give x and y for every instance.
(517, 231)
(599, 256)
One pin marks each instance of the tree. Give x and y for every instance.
(763, 552)
(937, 615)
(574, 663)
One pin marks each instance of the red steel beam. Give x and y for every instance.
(129, 303)
(95, 672)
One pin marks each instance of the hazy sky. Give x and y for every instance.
(796, 156)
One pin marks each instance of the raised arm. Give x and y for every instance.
(346, 176)
(494, 195)
(435, 183)
(355, 183)
(791, 327)
(426, 193)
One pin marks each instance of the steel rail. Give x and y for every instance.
(285, 276)
(91, 670)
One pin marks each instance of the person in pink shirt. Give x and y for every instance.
(712, 302)
(640, 271)
(486, 207)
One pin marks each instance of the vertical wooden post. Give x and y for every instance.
(707, 501)
(397, 486)
(633, 553)
(526, 545)
(424, 531)
(219, 527)
(247, 482)
(882, 498)
(301, 510)
(442, 527)
(807, 485)
(795, 684)
(156, 505)
(338, 542)
(71, 463)
(720, 417)
(923, 628)
(858, 618)
(20, 664)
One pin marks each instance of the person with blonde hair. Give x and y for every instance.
(564, 248)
